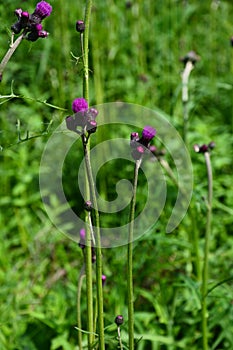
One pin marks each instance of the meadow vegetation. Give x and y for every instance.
(135, 51)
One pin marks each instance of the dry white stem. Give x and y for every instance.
(185, 79)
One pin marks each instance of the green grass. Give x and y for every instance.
(134, 57)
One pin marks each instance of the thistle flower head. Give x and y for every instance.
(43, 9)
(31, 23)
(84, 117)
(141, 145)
(148, 133)
(80, 105)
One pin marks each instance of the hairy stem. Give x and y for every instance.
(205, 273)
(130, 258)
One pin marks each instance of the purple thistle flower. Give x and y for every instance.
(43, 9)
(80, 105)
(140, 146)
(148, 133)
(32, 23)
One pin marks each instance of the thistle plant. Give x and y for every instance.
(139, 147)
(30, 26)
(206, 149)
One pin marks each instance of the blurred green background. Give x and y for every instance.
(135, 50)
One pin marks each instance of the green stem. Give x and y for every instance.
(89, 288)
(130, 259)
(9, 53)
(79, 319)
(86, 50)
(98, 251)
(88, 264)
(206, 253)
(195, 244)
(84, 47)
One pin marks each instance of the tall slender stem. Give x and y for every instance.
(89, 287)
(206, 253)
(79, 319)
(84, 47)
(130, 258)
(98, 252)
(9, 53)
(86, 50)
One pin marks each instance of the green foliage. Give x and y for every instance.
(134, 57)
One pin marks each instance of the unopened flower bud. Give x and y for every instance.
(203, 149)
(91, 126)
(88, 205)
(196, 148)
(42, 34)
(191, 56)
(134, 136)
(80, 26)
(211, 145)
(103, 279)
(93, 113)
(93, 255)
(138, 152)
(82, 242)
(119, 320)
(18, 12)
(16, 27)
